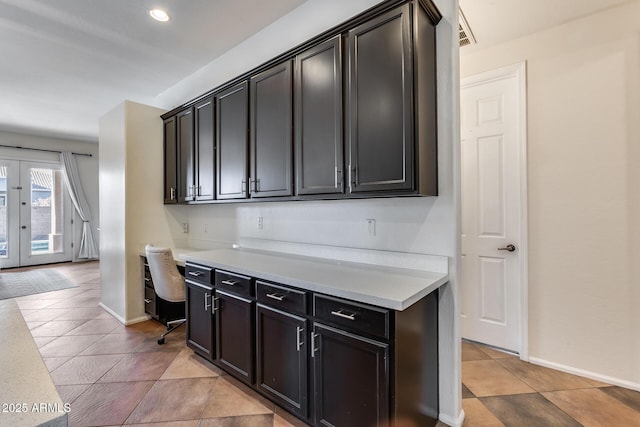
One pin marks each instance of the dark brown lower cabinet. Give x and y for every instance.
(282, 358)
(234, 318)
(199, 319)
(351, 378)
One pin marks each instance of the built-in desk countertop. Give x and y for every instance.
(393, 288)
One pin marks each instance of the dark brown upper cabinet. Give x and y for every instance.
(318, 119)
(271, 142)
(381, 103)
(350, 113)
(232, 142)
(205, 152)
(170, 161)
(186, 185)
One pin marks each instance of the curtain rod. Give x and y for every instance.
(42, 149)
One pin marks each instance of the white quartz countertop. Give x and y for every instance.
(393, 288)
(27, 392)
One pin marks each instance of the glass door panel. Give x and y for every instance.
(9, 213)
(45, 210)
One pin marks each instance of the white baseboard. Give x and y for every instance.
(113, 313)
(137, 320)
(453, 422)
(121, 319)
(584, 373)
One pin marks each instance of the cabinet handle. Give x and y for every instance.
(147, 301)
(339, 313)
(146, 279)
(244, 186)
(172, 193)
(199, 190)
(215, 306)
(196, 273)
(229, 282)
(206, 296)
(299, 341)
(313, 344)
(338, 177)
(276, 297)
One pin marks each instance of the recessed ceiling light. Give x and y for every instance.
(159, 15)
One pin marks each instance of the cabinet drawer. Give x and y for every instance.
(351, 315)
(286, 299)
(234, 283)
(199, 273)
(150, 301)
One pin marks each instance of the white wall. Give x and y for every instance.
(87, 168)
(584, 168)
(417, 225)
(131, 203)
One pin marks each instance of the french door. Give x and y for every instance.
(35, 214)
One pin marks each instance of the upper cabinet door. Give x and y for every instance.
(170, 161)
(381, 140)
(318, 124)
(185, 156)
(205, 152)
(271, 143)
(232, 120)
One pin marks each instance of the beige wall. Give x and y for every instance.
(584, 168)
(132, 212)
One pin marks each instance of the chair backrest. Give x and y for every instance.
(167, 280)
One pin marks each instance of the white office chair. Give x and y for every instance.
(167, 281)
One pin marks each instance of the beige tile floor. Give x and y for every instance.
(115, 375)
(498, 389)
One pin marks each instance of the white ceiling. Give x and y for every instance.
(496, 21)
(64, 63)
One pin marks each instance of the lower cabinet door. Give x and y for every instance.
(235, 335)
(282, 358)
(199, 319)
(351, 379)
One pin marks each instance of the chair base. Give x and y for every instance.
(171, 326)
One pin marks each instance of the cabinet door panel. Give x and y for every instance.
(271, 148)
(282, 358)
(381, 103)
(199, 319)
(185, 156)
(350, 379)
(205, 153)
(234, 335)
(170, 161)
(319, 143)
(232, 124)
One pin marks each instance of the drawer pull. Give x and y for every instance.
(339, 313)
(276, 297)
(147, 301)
(195, 273)
(229, 282)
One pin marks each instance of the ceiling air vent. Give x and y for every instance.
(465, 35)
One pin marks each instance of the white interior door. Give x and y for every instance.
(493, 208)
(37, 215)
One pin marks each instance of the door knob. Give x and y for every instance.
(23, 227)
(509, 248)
